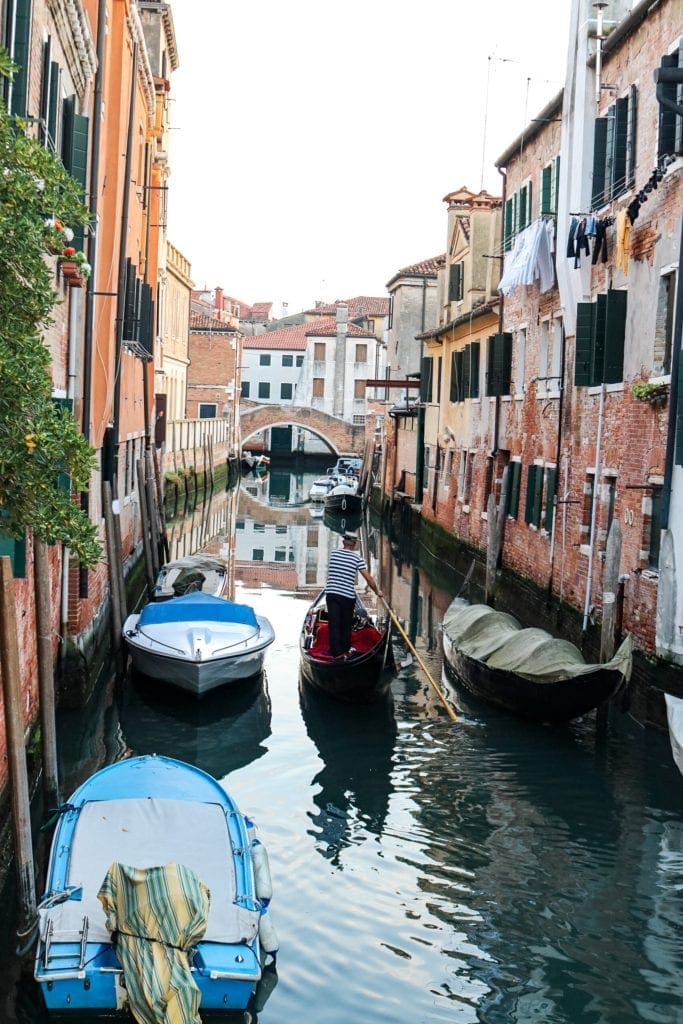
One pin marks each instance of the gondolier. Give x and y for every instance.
(340, 592)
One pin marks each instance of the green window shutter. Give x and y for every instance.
(64, 479)
(55, 76)
(461, 396)
(619, 147)
(585, 329)
(45, 83)
(455, 283)
(490, 349)
(129, 303)
(598, 352)
(609, 156)
(615, 333)
(75, 152)
(453, 394)
(426, 380)
(631, 136)
(556, 183)
(667, 118)
(439, 372)
(599, 162)
(538, 496)
(474, 370)
(679, 416)
(530, 492)
(16, 552)
(466, 372)
(528, 203)
(21, 56)
(506, 363)
(521, 209)
(550, 475)
(509, 226)
(513, 489)
(546, 190)
(146, 319)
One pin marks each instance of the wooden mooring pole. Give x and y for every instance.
(144, 516)
(16, 755)
(46, 677)
(114, 585)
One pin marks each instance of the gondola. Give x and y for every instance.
(359, 677)
(527, 672)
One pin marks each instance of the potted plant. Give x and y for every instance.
(74, 266)
(650, 391)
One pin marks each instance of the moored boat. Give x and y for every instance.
(674, 716)
(343, 498)
(357, 677)
(198, 641)
(341, 522)
(527, 672)
(190, 574)
(157, 890)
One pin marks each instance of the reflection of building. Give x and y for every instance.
(174, 314)
(213, 376)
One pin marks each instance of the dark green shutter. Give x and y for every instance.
(55, 75)
(75, 152)
(455, 283)
(466, 372)
(474, 370)
(129, 304)
(503, 367)
(598, 352)
(631, 136)
(490, 348)
(146, 319)
(64, 478)
(21, 56)
(556, 184)
(530, 492)
(45, 88)
(16, 552)
(546, 189)
(453, 395)
(615, 333)
(439, 372)
(538, 496)
(521, 209)
(509, 228)
(528, 203)
(599, 162)
(426, 380)
(667, 117)
(619, 147)
(550, 474)
(609, 156)
(679, 416)
(585, 329)
(513, 490)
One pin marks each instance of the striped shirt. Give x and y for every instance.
(342, 572)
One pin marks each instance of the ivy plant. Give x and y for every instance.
(44, 457)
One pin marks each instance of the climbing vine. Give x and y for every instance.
(44, 457)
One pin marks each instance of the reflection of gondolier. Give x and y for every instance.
(340, 592)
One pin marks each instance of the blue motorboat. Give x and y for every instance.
(154, 846)
(198, 641)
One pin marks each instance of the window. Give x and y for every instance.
(425, 469)
(465, 373)
(207, 410)
(587, 507)
(264, 359)
(18, 17)
(488, 481)
(359, 389)
(517, 214)
(670, 139)
(549, 499)
(652, 525)
(263, 389)
(318, 387)
(257, 555)
(245, 389)
(319, 351)
(280, 554)
(358, 421)
(49, 97)
(286, 390)
(610, 493)
(288, 360)
(455, 282)
(520, 361)
(515, 472)
(426, 380)
(600, 333)
(361, 353)
(259, 527)
(664, 323)
(556, 357)
(299, 360)
(239, 524)
(499, 364)
(534, 495)
(467, 478)
(614, 150)
(550, 187)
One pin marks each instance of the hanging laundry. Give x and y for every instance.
(581, 242)
(623, 240)
(591, 227)
(600, 246)
(530, 260)
(571, 241)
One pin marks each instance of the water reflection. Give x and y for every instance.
(355, 780)
(220, 733)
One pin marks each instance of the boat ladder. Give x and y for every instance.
(71, 946)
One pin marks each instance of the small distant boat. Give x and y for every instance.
(527, 672)
(358, 677)
(674, 715)
(157, 889)
(344, 498)
(190, 574)
(198, 641)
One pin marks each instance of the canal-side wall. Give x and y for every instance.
(448, 561)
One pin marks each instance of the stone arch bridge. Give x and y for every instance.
(342, 437)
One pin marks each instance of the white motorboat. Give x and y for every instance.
(321, 487)
(344, 497)
(198, 642)
(674, 714)
(189, 574)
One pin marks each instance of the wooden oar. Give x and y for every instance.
(440, 694)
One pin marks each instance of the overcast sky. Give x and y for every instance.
(313, 142)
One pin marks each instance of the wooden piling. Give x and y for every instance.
(46, 678)
(152, 512)
(161, 505)
(118, 548)
(144, 517)
(114, 581)
(16, 754)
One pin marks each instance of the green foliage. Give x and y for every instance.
(38, 440)
(646, 391)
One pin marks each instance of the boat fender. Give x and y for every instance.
(267, 934)
(262, 881)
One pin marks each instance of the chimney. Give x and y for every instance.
(218, 298)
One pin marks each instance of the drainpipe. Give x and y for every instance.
(420, 433)
(122, 270)
(594, 510)
(92, 259)
(558, 454)
(673, 394)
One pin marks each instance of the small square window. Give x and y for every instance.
(264, 389)
(264, 360)
(286, 391)
(299, 360)
(288, 360)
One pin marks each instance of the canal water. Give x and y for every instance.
(424, 871)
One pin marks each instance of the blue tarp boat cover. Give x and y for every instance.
(197, 607)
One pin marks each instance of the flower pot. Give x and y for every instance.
(71, 272)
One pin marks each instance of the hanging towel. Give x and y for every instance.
(571, 241)
(623, 240)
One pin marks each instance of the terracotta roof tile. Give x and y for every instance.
(295, 337)
(430, 266)
(205, 322)
(360, 305)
